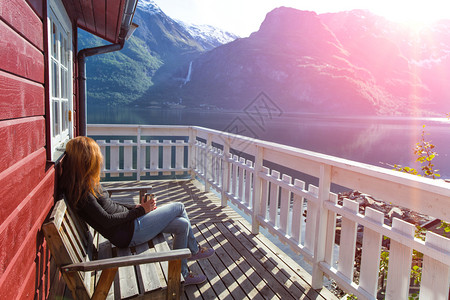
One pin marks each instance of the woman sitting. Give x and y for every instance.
(123, 224)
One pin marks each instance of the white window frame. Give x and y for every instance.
(61, 77)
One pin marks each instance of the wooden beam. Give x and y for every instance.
(104, 284)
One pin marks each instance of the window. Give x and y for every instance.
(61, 78)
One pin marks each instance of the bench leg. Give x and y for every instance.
(174, 280)
(104, 284)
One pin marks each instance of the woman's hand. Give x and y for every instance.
(149, 205)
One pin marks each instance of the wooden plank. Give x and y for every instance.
(273, 200)
(79, 254)
(234, 176)
(240, 178)
(102, 146)
(28, 284)
(255, 273)
(26, 173)
(400, 258)
(310, 226)
(285, 205)
(434, 273)
(123, 260)
(18, 240)
(213, 172)
(143, 157)
(114, 157)
(127, 277)
(105, 251)
(207, 267)
(19, 56)
(99, 8)
(57, 285)
(62, 255)
(286, 270)
(204, 290)
(173, 285)
(219, 169)
(227, 268)
(147, 272)
(179, 157)
(297, 212)
(20, 97)
(248, 184)
(20, 16)
(127, 156)
(347, 245)
(264, 194)
(154, 156)
(88, 14)
(167, 157)
(160, 244)
(112, 18)
(371, 250)
(330, 232)
(20, 138)
(104, 284)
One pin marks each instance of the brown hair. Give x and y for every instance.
(81, 169)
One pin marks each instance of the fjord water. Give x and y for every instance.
(378, 141)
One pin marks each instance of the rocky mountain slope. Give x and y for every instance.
(345, 63)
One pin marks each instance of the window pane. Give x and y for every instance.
(56, 118)
(55, 80)
(63, 83)
(65, 54)
(61, 48)
(54, 41)
(65, 115)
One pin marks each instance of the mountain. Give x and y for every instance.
(344, 63)
(159, 48)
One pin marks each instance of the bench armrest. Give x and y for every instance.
(127, 260)
(142, 189)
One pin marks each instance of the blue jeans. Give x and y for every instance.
(170, 218)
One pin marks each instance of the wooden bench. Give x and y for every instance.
(94, 269)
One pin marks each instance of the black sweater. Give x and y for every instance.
(113, 220)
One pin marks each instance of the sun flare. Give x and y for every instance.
(413, 13)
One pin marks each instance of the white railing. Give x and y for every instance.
(237, 167)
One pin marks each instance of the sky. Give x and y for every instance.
(243, 17)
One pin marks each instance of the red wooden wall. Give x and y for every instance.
(27, 179)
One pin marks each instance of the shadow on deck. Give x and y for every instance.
(245, 266)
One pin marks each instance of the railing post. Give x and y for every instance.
(208, 165)
(321, 225)
(138, 152)
(191, 155)
(226, 173)
(257, 183)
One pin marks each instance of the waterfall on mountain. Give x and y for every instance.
(188, 77)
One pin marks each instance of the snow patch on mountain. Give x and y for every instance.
(207, 35)
(149, 6)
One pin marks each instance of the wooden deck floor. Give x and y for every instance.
(245, 266)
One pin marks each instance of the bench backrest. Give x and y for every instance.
(70, 241)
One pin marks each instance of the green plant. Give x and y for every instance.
(446, 227)
(416, 273)
(384, 262)
(425, 154)
(420, 232)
